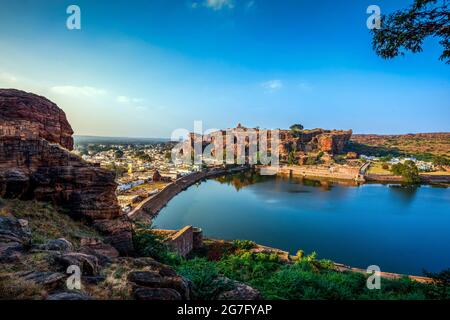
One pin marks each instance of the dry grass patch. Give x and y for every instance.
(46, 222)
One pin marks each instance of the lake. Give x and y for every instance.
(400, 229)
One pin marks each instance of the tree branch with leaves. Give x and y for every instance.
(406, 30)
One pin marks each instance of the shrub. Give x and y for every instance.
(148, 243)
(244, 244)
(248, 267)
(205, 277)
(441, 161)
(408, 170)
(300, 254)
(311, 161)
(307, 278)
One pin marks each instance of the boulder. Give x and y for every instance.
(93, 279)
(14, 230)
(240, 291)
(88, 264)
(15, 238)
(153, 279)
(60, 244)
(49, 280)
(147, 279)
(118, 234)
(150, 263)
(104, 252)
(10, 252)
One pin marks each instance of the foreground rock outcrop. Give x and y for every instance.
(23, 113)
(35, 163)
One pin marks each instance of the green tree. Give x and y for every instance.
(291, 158)
(296, 127)
(405, 30)
(118, 154)
(408, 170)
(441, 161)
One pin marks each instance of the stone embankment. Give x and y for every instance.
(342, 172)
(338, 172)
(285, 257)
(149, 208)
(425, 178)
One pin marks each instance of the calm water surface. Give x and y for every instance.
(400, 229)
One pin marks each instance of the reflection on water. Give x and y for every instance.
(405, 193)
(400, 229)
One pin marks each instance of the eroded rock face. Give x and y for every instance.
(38, 114)
(35, 163)
(302, 142)
(15, 237)
(37, 169)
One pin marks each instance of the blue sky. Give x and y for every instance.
(146, 68)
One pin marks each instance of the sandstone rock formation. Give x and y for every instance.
(29, 112)
(301, 142)
(15, 237)
(35, 163)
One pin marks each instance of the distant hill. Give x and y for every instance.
(117, 140)
(422, 145)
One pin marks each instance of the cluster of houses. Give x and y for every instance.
(421, 165)
(139, 166)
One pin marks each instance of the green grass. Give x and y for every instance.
(307, 278)
(46, 222)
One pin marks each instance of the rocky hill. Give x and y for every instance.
(36, 163)
(57, 211)
(300, 142)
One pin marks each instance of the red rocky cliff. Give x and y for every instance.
(50, 122)
(35, 163)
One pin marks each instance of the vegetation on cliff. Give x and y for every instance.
(306, 277)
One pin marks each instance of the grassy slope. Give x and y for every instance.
(306, 278)
(424, 146)
(46, 222)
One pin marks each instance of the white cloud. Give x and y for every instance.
(273, 85)
(128, 100)
(8, 77)
(219, 4)
(85, 91)
(123, 99)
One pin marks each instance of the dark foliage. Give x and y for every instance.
(406, 30)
